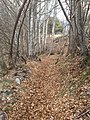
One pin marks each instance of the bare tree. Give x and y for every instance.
(76, 22)
(53, 28)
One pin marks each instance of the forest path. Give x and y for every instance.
(51, 92)
(39, 101)
(46, 79)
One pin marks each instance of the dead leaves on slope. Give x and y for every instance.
(39, 97)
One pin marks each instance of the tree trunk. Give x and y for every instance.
(39, 28)
(72, 30)
(3, 67)
(31, 33)
(80, 25)
(35, 29)
(45, 25)
(53, 28)
(15, 26)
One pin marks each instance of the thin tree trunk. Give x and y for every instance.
(53, 28)
(15, 26)
(45, 25)
(72, 30)
(35, 24)
(3, 67)
(17, 53)
(31, 32)
(64, 12)
(39, 28)
(80, 25)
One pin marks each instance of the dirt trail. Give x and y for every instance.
(39, 97)
(38, 101)
(45, 75)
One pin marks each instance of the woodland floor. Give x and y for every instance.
(57, 89)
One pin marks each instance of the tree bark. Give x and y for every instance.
(15, 26)
(53, 28)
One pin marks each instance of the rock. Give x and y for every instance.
(3, 115)
(21, 73)
(8, 92)
(51, 118)
(18, 81)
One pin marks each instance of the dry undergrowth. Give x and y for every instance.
(57, 89)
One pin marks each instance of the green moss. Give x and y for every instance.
(8, 81)
(5, 84)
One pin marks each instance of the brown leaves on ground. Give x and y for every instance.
(53, 91)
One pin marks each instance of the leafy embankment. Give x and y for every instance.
(57, 89)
